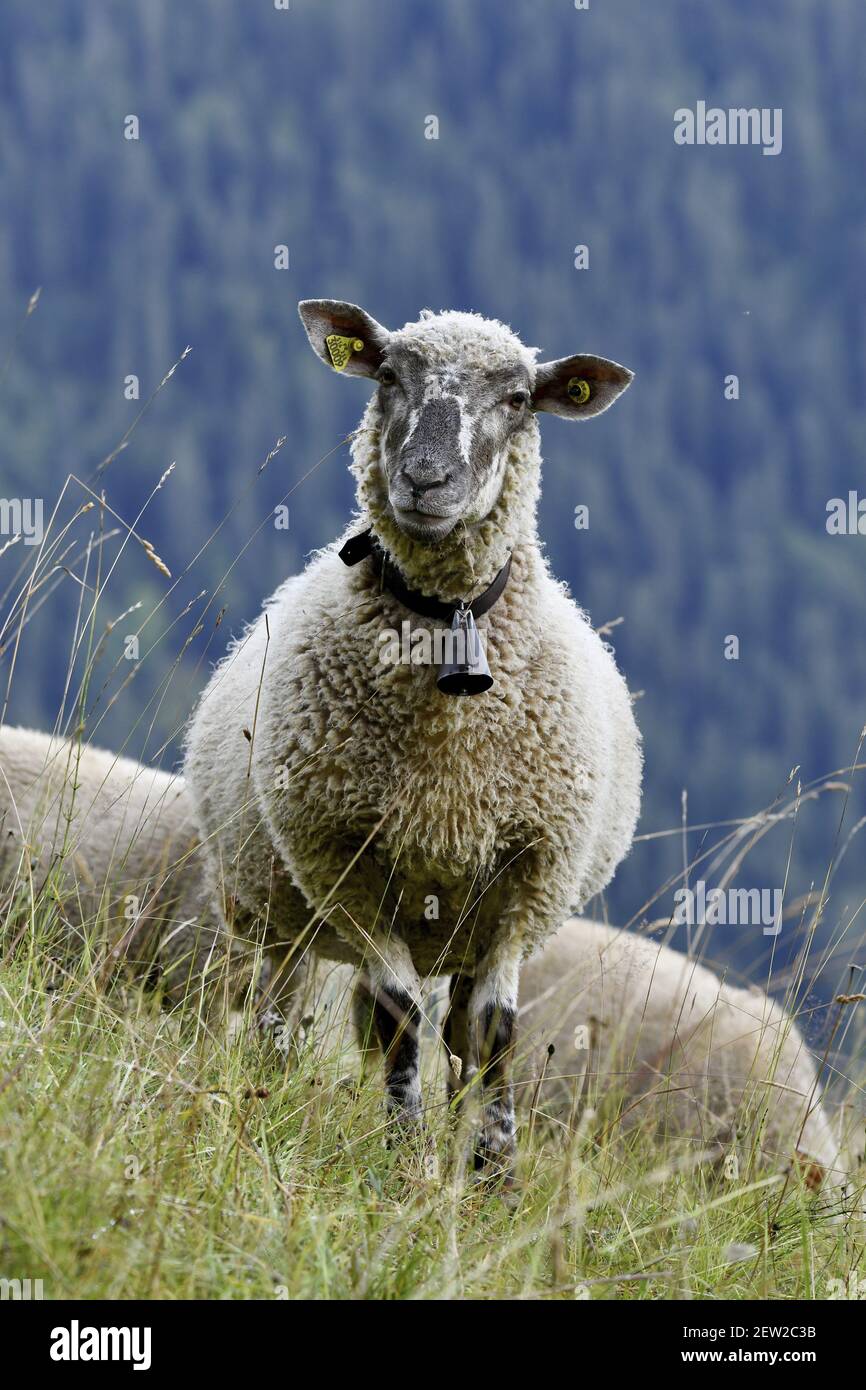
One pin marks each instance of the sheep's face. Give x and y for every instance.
(453, 390)
(444, 435)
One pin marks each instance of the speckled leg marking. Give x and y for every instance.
(456, 1035)
(396, 1018)
(395, 991)
(492, 1010)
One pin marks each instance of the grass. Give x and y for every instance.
(145, 1157)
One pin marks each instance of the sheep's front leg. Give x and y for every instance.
(492, 1014)
(344, 884)
(391, 983)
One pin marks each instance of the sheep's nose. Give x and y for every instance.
(422, 477)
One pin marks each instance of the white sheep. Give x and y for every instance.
(344, 798)
(631, 1018)
(103, 839)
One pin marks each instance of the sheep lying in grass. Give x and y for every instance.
(683, 1051)
(103, 839)
(348, 801)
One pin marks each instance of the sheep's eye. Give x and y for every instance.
(518, 399)
(386, 376)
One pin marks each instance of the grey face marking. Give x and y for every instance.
(445, 431)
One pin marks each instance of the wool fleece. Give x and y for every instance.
(107, 842)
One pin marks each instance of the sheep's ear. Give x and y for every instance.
(579, 386)
(344, 336)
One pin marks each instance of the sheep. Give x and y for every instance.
(102, 838)
(345, 801)
(631, 1017)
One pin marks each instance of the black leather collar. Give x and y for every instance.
(358, 547)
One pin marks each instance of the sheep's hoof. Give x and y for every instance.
(405, 1122)
(496, 1180)
(494, 1169)
(497, 1144)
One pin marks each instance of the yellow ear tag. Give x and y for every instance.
(578, 390)
(341, 349)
